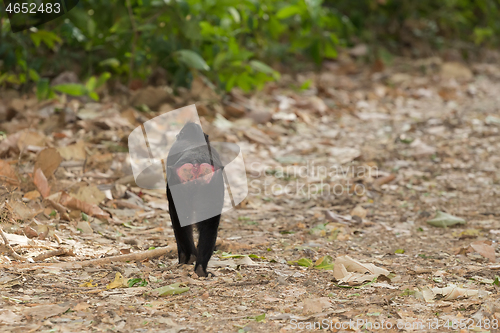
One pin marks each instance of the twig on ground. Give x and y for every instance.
(54, 253)
(11, 250)
(150, 254)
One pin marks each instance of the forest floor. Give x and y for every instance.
(369, 156)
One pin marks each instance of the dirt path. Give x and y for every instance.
(407, 143)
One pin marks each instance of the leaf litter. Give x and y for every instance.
(368, 158)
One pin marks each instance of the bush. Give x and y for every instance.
(228, 40)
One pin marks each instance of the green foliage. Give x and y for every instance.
(230, 42)
(437, 24)
(77, 89)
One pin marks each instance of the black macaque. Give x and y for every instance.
(195, 169)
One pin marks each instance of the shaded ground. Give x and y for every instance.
(409, 141)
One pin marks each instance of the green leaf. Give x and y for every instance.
(192, 59)
(443, 220)
(111, 62)
(34, 75)
(47, 37)
(497, 281)
(235, 14)
(102, 80)
(325, 263)
(286, 12)
(85, 217)
(173, 289)
(399, 251)
(261, 67)
(261, 317)
(94, 96)
(305, 262)
(306, 84)
(73, 89)
(90, 85)
(139, 281)
(42, 89)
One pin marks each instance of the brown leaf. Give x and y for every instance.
(384, 180)
(73, 152)
(258, 136)
(7, 174)
(484, 249)
(89, 209)
(90, 194)
(359, 211)
(41, 183)
(31, 138)
(60, 208)
(48, 160)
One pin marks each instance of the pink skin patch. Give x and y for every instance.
(189, 172)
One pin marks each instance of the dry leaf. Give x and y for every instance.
(316, 304)
(48, 160)
(90, 194)
(118, 282)
(89, 209)
(31, 138)
(384, 180)
(359, 211)
(7, 174)
(41, 183)
(484, 249)
(258, 136)
(45, 311)
(73, 152)
(353, 272)
(32, 195)
(21, 211)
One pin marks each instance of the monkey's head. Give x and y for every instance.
(192, 132)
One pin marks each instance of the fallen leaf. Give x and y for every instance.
(31, 138)
(359, 211)
(48, 161)
(85, 227)
(484, 249)
(316, 304)
(384, 180)
(443, 220)
(354, 272)
(7, 174)
(31, 195)
(45, 311)
(8, 317)
(90, 209)
(22, 211)
(258, 136)
(90, 194)
(73, 152)
(41, 183)
(172, 289)
(118, 282)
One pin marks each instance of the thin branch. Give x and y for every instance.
(11, 250)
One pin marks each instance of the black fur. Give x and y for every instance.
(192, 146)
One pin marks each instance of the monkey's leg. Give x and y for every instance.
(206, 244)
(183, 235)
